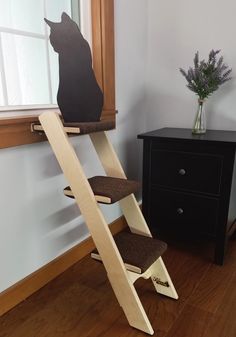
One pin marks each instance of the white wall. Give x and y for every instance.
(176, 30)
(37, 222)
(131, 62)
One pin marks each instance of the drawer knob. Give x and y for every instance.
(182, 172)
(180, 211)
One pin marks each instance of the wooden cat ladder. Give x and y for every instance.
(130, 255)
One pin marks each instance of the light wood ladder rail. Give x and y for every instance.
(121, 279)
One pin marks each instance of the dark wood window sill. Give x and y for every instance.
(15, 131)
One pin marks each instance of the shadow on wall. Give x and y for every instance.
(217, 119)
(50, 164)
(61, 218)
(130, 124)
(219, 114)
(53, 211)
(133, 159)
(134, 116)
(62, 228)
(167, 110)
(60, 241)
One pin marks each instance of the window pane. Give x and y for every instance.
(54, 67)
(85, 20)
(54, 9)
(26, 15)
(25, 64)
(27, 61)
(1, 94)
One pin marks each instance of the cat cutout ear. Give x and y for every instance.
(65, 17)
(50, 23)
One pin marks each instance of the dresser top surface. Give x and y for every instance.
(221, 136)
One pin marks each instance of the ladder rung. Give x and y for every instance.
(39, 128)
(109, 190)
(95, 255)
(81, 128)
(99, 198)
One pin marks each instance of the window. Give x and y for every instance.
(16, 129)
(28, 64)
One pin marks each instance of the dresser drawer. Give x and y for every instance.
(186, 171)
(173, 211)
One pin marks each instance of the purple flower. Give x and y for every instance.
(206, 76)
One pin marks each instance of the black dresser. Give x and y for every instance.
(189, 184)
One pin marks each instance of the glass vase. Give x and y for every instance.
(199, 126)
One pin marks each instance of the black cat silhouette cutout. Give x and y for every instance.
(79, 96)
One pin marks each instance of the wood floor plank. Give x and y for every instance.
(57, 302)
(224, 322)
(213, 286)
(186, 270)
(192, 322)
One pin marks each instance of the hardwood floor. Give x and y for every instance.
(81, 303)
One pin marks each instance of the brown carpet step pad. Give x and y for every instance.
(82, 128)
(108, 190)
(138, 252)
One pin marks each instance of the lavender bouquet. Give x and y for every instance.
(206, 76)
(203, 79)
